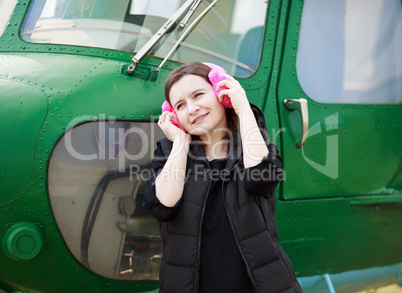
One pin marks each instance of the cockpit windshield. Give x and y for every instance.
(229, 35)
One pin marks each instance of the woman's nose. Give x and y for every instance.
(193, 107)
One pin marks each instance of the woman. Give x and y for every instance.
(213, 191)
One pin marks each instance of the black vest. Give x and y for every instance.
(250, 207)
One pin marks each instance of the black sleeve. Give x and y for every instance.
(264, 177)
(151, 202)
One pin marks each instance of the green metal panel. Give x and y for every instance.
(22, 112)
(359, 138)
(68, 85)
(85, 89)
(334, 222)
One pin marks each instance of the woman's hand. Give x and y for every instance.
(235, 92)
(253, 143)
(172, 132)
(169, 184)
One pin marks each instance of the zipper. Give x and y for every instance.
(197, 259)
(235, 236)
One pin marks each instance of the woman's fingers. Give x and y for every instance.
(233, 89)
(230, 82)
(170, 116)
(163, 119)
(223, 93)
(166, 116)
(222, 83)
(165, 122)
(230, 78)
(171, 131)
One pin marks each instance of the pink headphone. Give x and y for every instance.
(216, 75)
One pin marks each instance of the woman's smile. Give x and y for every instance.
(199, 118)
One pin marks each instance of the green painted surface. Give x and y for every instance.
(23, 110)
(22, 241)
(326, 225)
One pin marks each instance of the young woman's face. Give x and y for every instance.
(196, 106)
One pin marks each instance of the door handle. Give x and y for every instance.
(299, 105)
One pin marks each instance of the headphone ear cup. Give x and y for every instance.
(215, 76)
(167, 107)
(177, 123)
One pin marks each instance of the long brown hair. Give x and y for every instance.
(201, 70)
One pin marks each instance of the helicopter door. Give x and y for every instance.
(340, 93)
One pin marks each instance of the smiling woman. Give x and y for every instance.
(215, 218)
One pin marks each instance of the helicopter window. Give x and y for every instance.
(229, 35)
(6, 8)
(96, 179)
(350, 51)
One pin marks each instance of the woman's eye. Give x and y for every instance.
(198, 94)
(179, 106)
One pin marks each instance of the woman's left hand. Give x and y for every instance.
(235, 92)
(253, 143)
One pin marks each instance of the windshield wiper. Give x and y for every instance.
(193, 8)
(186, 32)
(159, 34)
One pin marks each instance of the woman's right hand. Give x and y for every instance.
(172, 132)
(169, 184)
